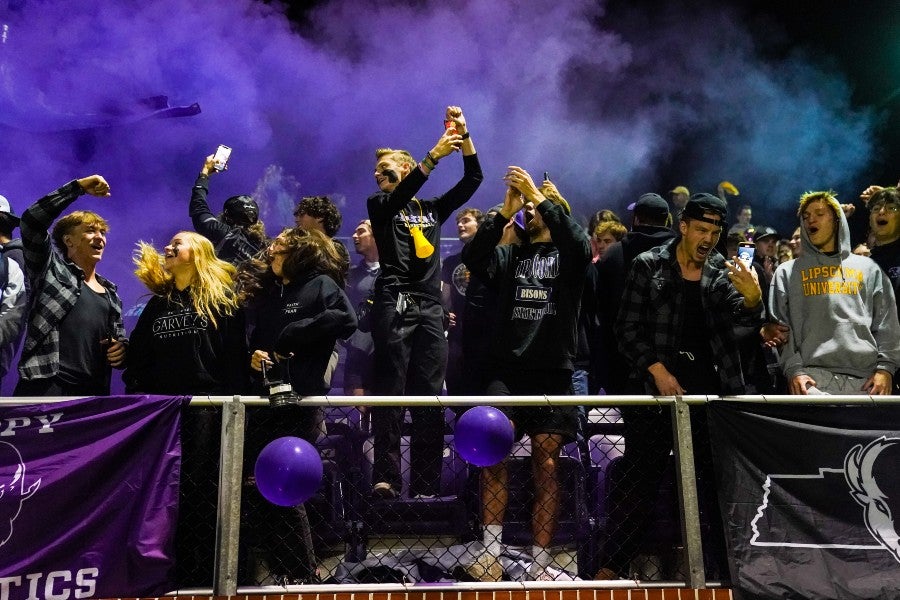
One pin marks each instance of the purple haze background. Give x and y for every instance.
(547, 84)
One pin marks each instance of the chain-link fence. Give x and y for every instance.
(615, 513)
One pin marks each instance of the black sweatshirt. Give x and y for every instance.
(539, 290)
(306, 318)
(174, 350)
(401, 270)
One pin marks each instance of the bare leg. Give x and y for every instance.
(545, 449)
(494, 493)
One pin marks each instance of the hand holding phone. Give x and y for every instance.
(220, 158)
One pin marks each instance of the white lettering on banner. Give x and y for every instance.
(86, 582)
(45, 421)
(64, 594)
(33, 579)
(57, 584)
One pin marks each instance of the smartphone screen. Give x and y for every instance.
(745, 252)
(220, 158)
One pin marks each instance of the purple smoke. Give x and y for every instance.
(548, 85)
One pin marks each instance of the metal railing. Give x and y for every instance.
(231, 481)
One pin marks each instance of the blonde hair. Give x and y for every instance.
(401, 156)
(614, 228)
(72, 220)
(212, 284)
(552, 194)
(829, 198)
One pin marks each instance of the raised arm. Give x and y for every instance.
(36, 220)
(205, 222)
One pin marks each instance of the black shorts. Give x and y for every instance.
(531, 420)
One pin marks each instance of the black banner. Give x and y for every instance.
(810, 499)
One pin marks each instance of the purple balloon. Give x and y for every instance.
(483, 436)
(288, 471)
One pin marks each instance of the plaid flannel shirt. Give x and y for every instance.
(55, 285)
(652, 311)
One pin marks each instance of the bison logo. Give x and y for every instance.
(13, 492)
(858, 470)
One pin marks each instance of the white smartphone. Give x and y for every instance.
(220, 158)
(745, 252)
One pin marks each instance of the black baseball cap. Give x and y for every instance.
(701, 204)
(764, 231)
(650, 205)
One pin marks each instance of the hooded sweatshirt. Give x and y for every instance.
(840, 308)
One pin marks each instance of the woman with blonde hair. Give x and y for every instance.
(190, 337)
(190, 340)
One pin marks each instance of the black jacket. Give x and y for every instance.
(304, 318)
(608, 278)
(231, 243)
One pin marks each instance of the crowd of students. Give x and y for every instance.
(533, 304)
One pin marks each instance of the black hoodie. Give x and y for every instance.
(304, 318)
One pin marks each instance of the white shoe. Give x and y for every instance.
(486, 567)
(384, 491)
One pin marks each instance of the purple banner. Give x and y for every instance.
(89, 498)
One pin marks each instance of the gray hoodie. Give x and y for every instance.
(840, 308)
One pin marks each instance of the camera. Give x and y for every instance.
(281, 392)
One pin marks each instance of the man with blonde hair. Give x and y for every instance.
(75, 332)
(840, 307)
(407, 314)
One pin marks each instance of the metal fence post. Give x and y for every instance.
(687, 493)
(228, 513)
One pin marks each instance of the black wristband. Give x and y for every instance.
(465, 136)
(431, 158)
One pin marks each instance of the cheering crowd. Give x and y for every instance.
(534, 304)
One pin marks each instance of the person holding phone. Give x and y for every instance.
(676, 334)
(75, 334)
(237, 233)
(407, 314)
(539, 289)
